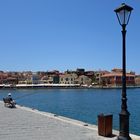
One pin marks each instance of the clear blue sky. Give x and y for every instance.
(66, 34)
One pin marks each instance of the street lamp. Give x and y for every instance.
(123, 14)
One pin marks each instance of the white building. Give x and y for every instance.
(68, 78)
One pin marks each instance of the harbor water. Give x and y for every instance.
(81, 104)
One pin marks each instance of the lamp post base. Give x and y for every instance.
(124, 126)
(123, 138)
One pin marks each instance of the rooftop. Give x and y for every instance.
(117, 74)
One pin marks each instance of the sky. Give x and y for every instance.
(45, 35)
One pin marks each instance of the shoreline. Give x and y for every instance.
(60, 86)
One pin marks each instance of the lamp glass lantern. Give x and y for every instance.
(123, 14)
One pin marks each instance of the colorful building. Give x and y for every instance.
(115, 79)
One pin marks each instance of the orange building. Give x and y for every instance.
(115, 79)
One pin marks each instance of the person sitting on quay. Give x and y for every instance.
(9, 102)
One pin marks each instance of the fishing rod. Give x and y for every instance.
(24, 96)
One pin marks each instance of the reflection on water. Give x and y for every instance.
(81, 104)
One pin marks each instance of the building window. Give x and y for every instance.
(67, 79)
(131, 78)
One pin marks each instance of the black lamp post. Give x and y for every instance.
(123, 14)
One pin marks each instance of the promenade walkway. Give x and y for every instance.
(23, 123)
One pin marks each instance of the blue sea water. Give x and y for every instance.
(81, 104)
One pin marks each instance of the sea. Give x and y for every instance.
(81, 104)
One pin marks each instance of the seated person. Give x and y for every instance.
(11, 102)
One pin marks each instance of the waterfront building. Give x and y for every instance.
(35, 78)
(53, 79)
(114, 78)
(137, 80)
(80, 71)
(44, 79)
(24, 77)
(84, 80)
(56, 79)
(3, 77)
(8, 78)
(11, 80)
(68, 78)
(98, 75)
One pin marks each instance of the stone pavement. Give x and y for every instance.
(23, 123)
